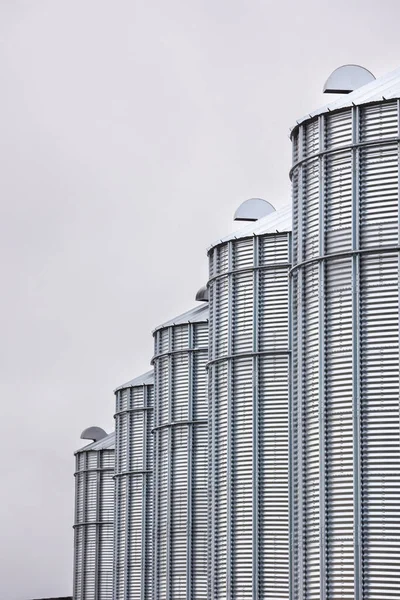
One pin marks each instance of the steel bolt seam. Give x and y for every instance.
(271, 267)
(375, 144)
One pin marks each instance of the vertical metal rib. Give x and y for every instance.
(299, 378)
(291, 428)
(212, 442)
(156, 481)
(127, 492)
(256, 409)
(169, 470)
(355, 236)
(145, 466)
(97, 529)
(229, 569)
(189, 572)
(84, 518)
(74, 571)
(322, 346)
(398, 208)
(117, 511)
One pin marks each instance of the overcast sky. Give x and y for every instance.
(130, 132)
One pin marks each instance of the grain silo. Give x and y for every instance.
(248, 408)
(94, 517)
(180, 455)
(134, 489)
(345, 280)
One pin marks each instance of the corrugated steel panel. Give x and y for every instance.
(345, 415)
(180, 454)
(134, 516)
(94, 521)
(249, 412)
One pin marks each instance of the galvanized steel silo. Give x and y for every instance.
(346, 468)
(180, 454)
(248, 410)
(134, 489)
(94, 520)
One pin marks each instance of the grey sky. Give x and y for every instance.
(130, 132)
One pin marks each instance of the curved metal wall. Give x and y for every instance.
(346, 471)
(248, 412)
(134, 490)
(180, 446)
(94, 522)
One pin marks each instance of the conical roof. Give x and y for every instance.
(198, 314)
(145, 379)
(384, 88)
(279, 221)
(106, 443)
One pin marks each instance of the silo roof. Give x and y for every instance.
(145, 379)
(198, 314)
(280, 221)
(384, 88)
(106, 443)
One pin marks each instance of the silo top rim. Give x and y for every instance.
(106, 443)
(279, 221)
(199, 314)
(145, 379)
(382, 89)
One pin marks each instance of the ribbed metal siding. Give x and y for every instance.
(94, 525)
(181, 447)
(346, 468)
(248, 412)
(134, 493)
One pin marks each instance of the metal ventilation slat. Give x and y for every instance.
(338, 178)
(338, 130)
(339, 427)
(380, 426)
(379, 196)
(379, 122)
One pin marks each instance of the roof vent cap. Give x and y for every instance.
(202, 294)
(93, 433)
(253, 209)
(346, 79)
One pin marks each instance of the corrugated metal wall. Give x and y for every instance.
(180, 445)
(134, 490)
(346, 472)
(94, 522)
(248, 411)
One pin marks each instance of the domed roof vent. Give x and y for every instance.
(253, 209)
(93, 433)
(202, 294)
(346, 79)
